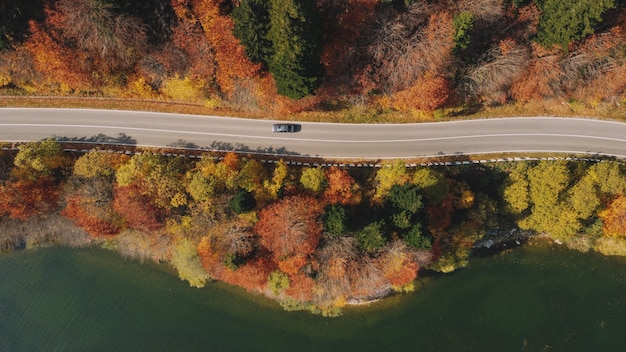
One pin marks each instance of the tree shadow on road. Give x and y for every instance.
(242, 148)
(216, 146)
(120, 139)
(181, 143)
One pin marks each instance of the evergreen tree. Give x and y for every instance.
(242, 202)
(334, 219)
(296, 41)
(563, 21)
(370, 238)
(252, 23)
(463, 24)
(405, 198)
(416, 239)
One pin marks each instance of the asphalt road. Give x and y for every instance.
(534, 134)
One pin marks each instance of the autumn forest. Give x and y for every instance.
(285, 57)
(310, 237)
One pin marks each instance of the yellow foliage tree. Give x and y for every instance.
(515, 190)
(97, 163)
(251, 176)
(157, 177)
(388, 176)
(38, 159)
(313, 179)
(187, 262)
(277, 182)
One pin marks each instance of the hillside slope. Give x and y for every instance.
(412, 56)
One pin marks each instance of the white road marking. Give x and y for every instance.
(496, 135)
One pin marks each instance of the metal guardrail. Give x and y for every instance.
(331, 164)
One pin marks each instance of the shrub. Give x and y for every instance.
(187, 262)
(278, 282)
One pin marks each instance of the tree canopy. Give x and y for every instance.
(252, 21)
(310, 237)
(296, 43)
(563, 21)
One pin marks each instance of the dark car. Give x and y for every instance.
(284, 127)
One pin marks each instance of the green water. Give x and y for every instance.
(533, 299)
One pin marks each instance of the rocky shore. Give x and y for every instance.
(497, 240)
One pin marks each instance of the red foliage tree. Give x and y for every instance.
(136, 209)
(347, 18)
(22, 199)
(90, 218)
(251, 275)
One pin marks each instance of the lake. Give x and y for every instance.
(536, 298)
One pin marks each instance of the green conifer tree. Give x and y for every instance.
(252, 23)
(295, 33)
(563, 21)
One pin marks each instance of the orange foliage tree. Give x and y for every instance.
(429, 93)
(341, 187)
(89, 193)
(252, 275)
(55, 62)
(230, 55)
(290, 229)
(366, 279)
(301, 287)
(542, 78)
(614, 218)
(593, 71)
(189, 37)
(334, 259)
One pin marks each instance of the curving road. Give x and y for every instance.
(536, 134)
